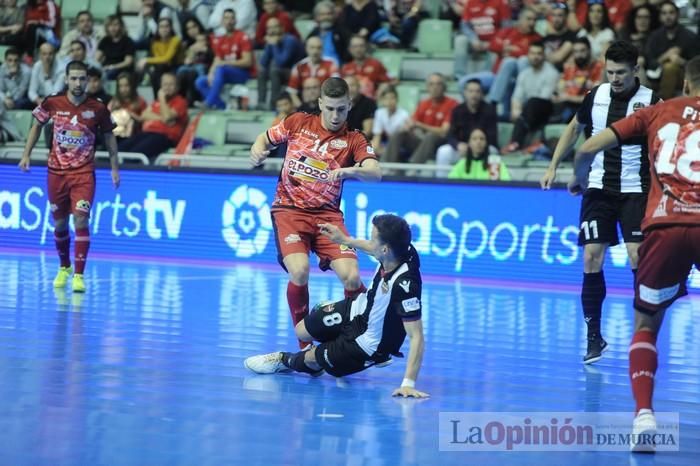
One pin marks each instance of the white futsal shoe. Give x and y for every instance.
(270, 363)
(643, 430)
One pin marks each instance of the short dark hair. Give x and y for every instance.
(80, 43)
(229, 10)
(334, 88)
(83, 12)
(476, 81)
(394, 232)
(284, 96)
(94, 72)
(668, 2)
(621, 51)
(389, 90)
(692, 71)
(76, 65)
(538, 43)
(582, 40)
(12, 51)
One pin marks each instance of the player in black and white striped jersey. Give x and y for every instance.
(618, 181)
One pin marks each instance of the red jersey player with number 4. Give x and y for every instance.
(671, 227)
(321, 153)
(77, 120)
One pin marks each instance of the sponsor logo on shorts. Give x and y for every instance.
(657, 296)
(293, 238)
(637, 233)
(339, 144)
(308, 169)
(325, 356)
(82, 205)
(344, 249)
(411, 304)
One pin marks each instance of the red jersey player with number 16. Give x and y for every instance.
(77, 119)
(671, 228)
(321, 153)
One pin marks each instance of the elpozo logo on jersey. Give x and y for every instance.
(246, 221)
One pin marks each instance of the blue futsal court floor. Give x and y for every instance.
(147, 369)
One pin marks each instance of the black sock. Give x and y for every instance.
(295, 361)
(592, 296)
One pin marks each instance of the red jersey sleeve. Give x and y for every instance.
(280, 133)
(295, 79)
(43, 111)
(635, 124)
(419, 113)
(362, 149)
(245, 44)
(104, 120)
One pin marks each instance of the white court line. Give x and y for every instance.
(115, 280)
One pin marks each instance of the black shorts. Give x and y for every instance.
(601, 211)
(338, 352)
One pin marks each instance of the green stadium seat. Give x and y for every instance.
(23, 120)
(505, 130)
(304, 26)
(70, 8)
(101, 9)
(3, 49)
(434, 36)
(212, 127)
(409, 95)
(391, 60)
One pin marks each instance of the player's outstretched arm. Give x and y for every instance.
(32, 138)
(368, 170)
(260, 150)
(336, 235)
(564, 145)
(111, 144)
(585, 155)
(414, 330)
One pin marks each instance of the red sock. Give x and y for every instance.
(298, 299)
(354, 293)
(82, 244)
(643, 363)
(62, 239)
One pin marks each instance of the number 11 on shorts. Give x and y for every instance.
(590, 229)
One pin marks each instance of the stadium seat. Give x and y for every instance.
(419, 67)
(245, 132)
(3, 49)
(304, 26)
(505, 130)
(212, 127)
(409, 94)
(101, 9)
(391, 60)
(71, 8)
(23, 120)
(434, 36)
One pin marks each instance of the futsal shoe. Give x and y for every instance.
(78, 283)
(62, 276)
(270, 363)
(596, 347)
(643, 430)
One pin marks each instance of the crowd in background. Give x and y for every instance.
(528, 62)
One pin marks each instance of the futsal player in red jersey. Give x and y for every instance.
(77, 120)
(321, 153)
(671, 227)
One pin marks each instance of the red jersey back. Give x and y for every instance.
(486, 16)
(75, 128)
(673, 132)
(312, 153)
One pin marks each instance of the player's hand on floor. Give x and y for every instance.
(24, 164)
(408, 392)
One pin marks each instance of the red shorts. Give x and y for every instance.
(71, 193)
(297, 232)
(666, 257)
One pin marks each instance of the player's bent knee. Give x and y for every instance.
(60, 224)
(301, 332)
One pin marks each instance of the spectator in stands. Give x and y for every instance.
(198, 59)
(14, 81)
(8, 129)
(481, 20)
(597, 28)
(95, 87)
(284, 107)
(233, 62)
(668, 48)
(451, 10)
(311, 92)
(126, 107)
(313, 65)
(42, 23)
(473, 113)
(165, 55)
(273, 9)
(511, 45)
(642, 20)
(282, 51)
(85, 32)
(151, 12)
(11, 24)
(476, 163)
(578, 78)
(116, 50)
(198, 10)
(333, 34)
(361, 115)
(532, 99)
(47, 75)
(369, 71)
(78, 52)
(361, 17)
(422, 134)
(246, 16)
(404, 16)
(164, 122)
(388, 119)
(558, 44)
(618, 10)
